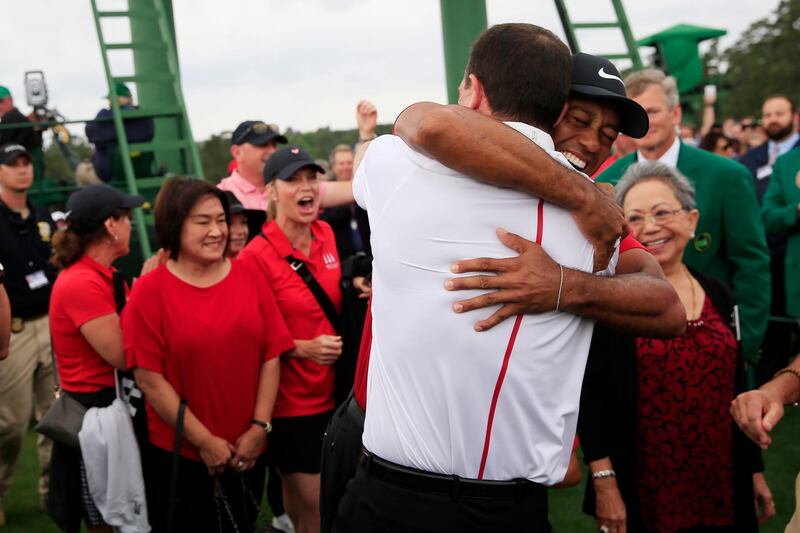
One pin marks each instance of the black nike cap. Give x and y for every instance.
(597, 78)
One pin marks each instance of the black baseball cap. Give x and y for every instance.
(234, 204)
(90, 206)
(597, 78)
(10, 151)
(286, 161)
(257, 132)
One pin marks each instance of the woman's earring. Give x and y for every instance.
(692, 236)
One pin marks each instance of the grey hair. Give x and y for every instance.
(655, 170)
(638, 82)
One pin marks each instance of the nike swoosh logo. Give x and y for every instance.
(603, 74)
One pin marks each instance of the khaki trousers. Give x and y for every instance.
(26, 388)
(794, 524)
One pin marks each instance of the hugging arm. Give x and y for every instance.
(488, 150)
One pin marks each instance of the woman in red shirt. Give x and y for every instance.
(204, 330)
(87, 338)
(292, 246)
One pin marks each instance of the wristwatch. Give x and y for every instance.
(266, 426)
(2, 274)
(602, 474)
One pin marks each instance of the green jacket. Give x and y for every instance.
(730, 242)
(780, 216)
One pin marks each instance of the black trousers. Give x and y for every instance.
(198, 509)
(341, 446)
(377, 502)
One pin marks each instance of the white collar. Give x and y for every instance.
(669, 158)
(785, 145)
(540, 137)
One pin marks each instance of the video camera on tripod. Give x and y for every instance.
(36, 96)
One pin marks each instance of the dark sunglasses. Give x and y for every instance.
(258, 128)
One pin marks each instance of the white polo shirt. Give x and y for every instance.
(496, 405)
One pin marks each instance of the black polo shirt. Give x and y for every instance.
(25, 253)
(27, 137)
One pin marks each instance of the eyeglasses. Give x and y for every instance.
(259, 128)
(660, 217)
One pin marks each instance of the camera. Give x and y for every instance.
(35, 89)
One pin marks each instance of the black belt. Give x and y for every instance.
(454, 485)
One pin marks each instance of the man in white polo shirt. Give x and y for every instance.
(467, 428)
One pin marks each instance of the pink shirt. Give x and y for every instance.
(248, 194)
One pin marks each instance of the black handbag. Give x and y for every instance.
(63, 420)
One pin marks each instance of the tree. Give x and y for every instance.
(215, 154)
(764, 61)
(56, 166)
(215, 151)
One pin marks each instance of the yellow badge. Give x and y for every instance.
(45, 231)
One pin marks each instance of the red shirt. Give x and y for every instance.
(82, 292)
(306, 388)
(362, 364)
(607, 163)
(630, 243)
(209, 343)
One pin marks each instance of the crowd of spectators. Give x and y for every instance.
(244, 332)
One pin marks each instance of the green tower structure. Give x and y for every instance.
(678, 53)
(160, 97)
(462, 22)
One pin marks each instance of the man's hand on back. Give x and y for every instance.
(601, 221)
(527, 283)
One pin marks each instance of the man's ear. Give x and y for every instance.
(235, 148)
(677, 115)
(562, 114)
(475, 96)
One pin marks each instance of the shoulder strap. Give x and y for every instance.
(176, 455)
(316, 289)
(119, 290)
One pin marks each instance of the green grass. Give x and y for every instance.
(782, 463)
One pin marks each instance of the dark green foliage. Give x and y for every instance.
(763, 61)
(56, 166)
(215, 152)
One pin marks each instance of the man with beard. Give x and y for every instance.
(779, 118)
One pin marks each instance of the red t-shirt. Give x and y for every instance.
(630, 243)
(362, 364)
(82, 292)
(209, 343)
(306, 387)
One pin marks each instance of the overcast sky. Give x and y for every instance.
(303, 63)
